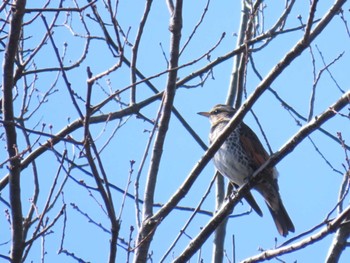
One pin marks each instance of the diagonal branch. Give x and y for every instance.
(262, 87)
(195, 244)
(77, 124)
(330, 228)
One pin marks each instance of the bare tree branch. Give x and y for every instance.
(81, 136)
(194, 245)
(331, 227)
(265, 83)
(17, 247)
(135, 50)
(148, 227)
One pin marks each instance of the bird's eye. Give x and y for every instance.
(216, 111)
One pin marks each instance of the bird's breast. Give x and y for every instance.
(231, 161)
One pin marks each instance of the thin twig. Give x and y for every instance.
(135, 49)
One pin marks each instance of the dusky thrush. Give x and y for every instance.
(241, 154)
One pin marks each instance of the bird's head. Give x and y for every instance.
(218, 113)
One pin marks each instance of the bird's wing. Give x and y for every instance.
(252, 147)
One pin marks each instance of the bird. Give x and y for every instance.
(241, 154)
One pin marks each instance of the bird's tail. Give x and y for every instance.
(282, 220)
(269, 191)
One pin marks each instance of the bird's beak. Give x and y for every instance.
(203, 113)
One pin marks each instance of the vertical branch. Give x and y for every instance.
(340, 242)
(135, 49)
(340, 239)
(175, 28)
(10, 131)
(240, 66)
(148, 228)
(148, 146)
(234, 81)
(106, 195)
(114, 21)
(235, 94)
(220, 232)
